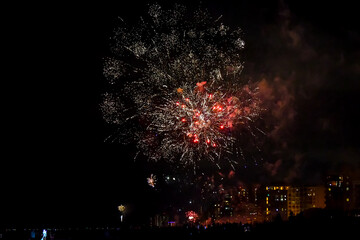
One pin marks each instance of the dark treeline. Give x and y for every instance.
(321, 223)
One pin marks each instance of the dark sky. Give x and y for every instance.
(55, 165)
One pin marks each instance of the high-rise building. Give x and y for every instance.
(237, 204)
(227, 205)
(338, 192)
(276, 202)
(305, 197)
(313, 197)
(294, 201)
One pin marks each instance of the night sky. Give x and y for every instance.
(55, 165)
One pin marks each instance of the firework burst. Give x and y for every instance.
(176, 90)
(191, 216)
(151, 180)
(196, 123)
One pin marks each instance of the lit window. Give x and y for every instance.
(347, 199)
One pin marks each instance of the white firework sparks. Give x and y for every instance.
(176, 91)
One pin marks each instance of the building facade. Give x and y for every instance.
(356, 195)
(276, 202)
(338, 192)
(305, 197)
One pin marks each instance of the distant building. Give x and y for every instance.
(227, 205)
(305, 197)
(313, 197)
(245, 205)
(338, 192)
(223, 207)
(356, 195)
(216, 211)
(237, 204)
(294, 201)
(276, 202)
(159, 220)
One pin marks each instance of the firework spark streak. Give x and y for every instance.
(175, 88)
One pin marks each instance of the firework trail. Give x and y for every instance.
(175, 88)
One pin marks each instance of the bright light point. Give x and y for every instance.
(183, 120)
(214, 144)
(177, 103)
(186, 99)
(183, 106)
(222, 127)
(196, 140)
(207, 141)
